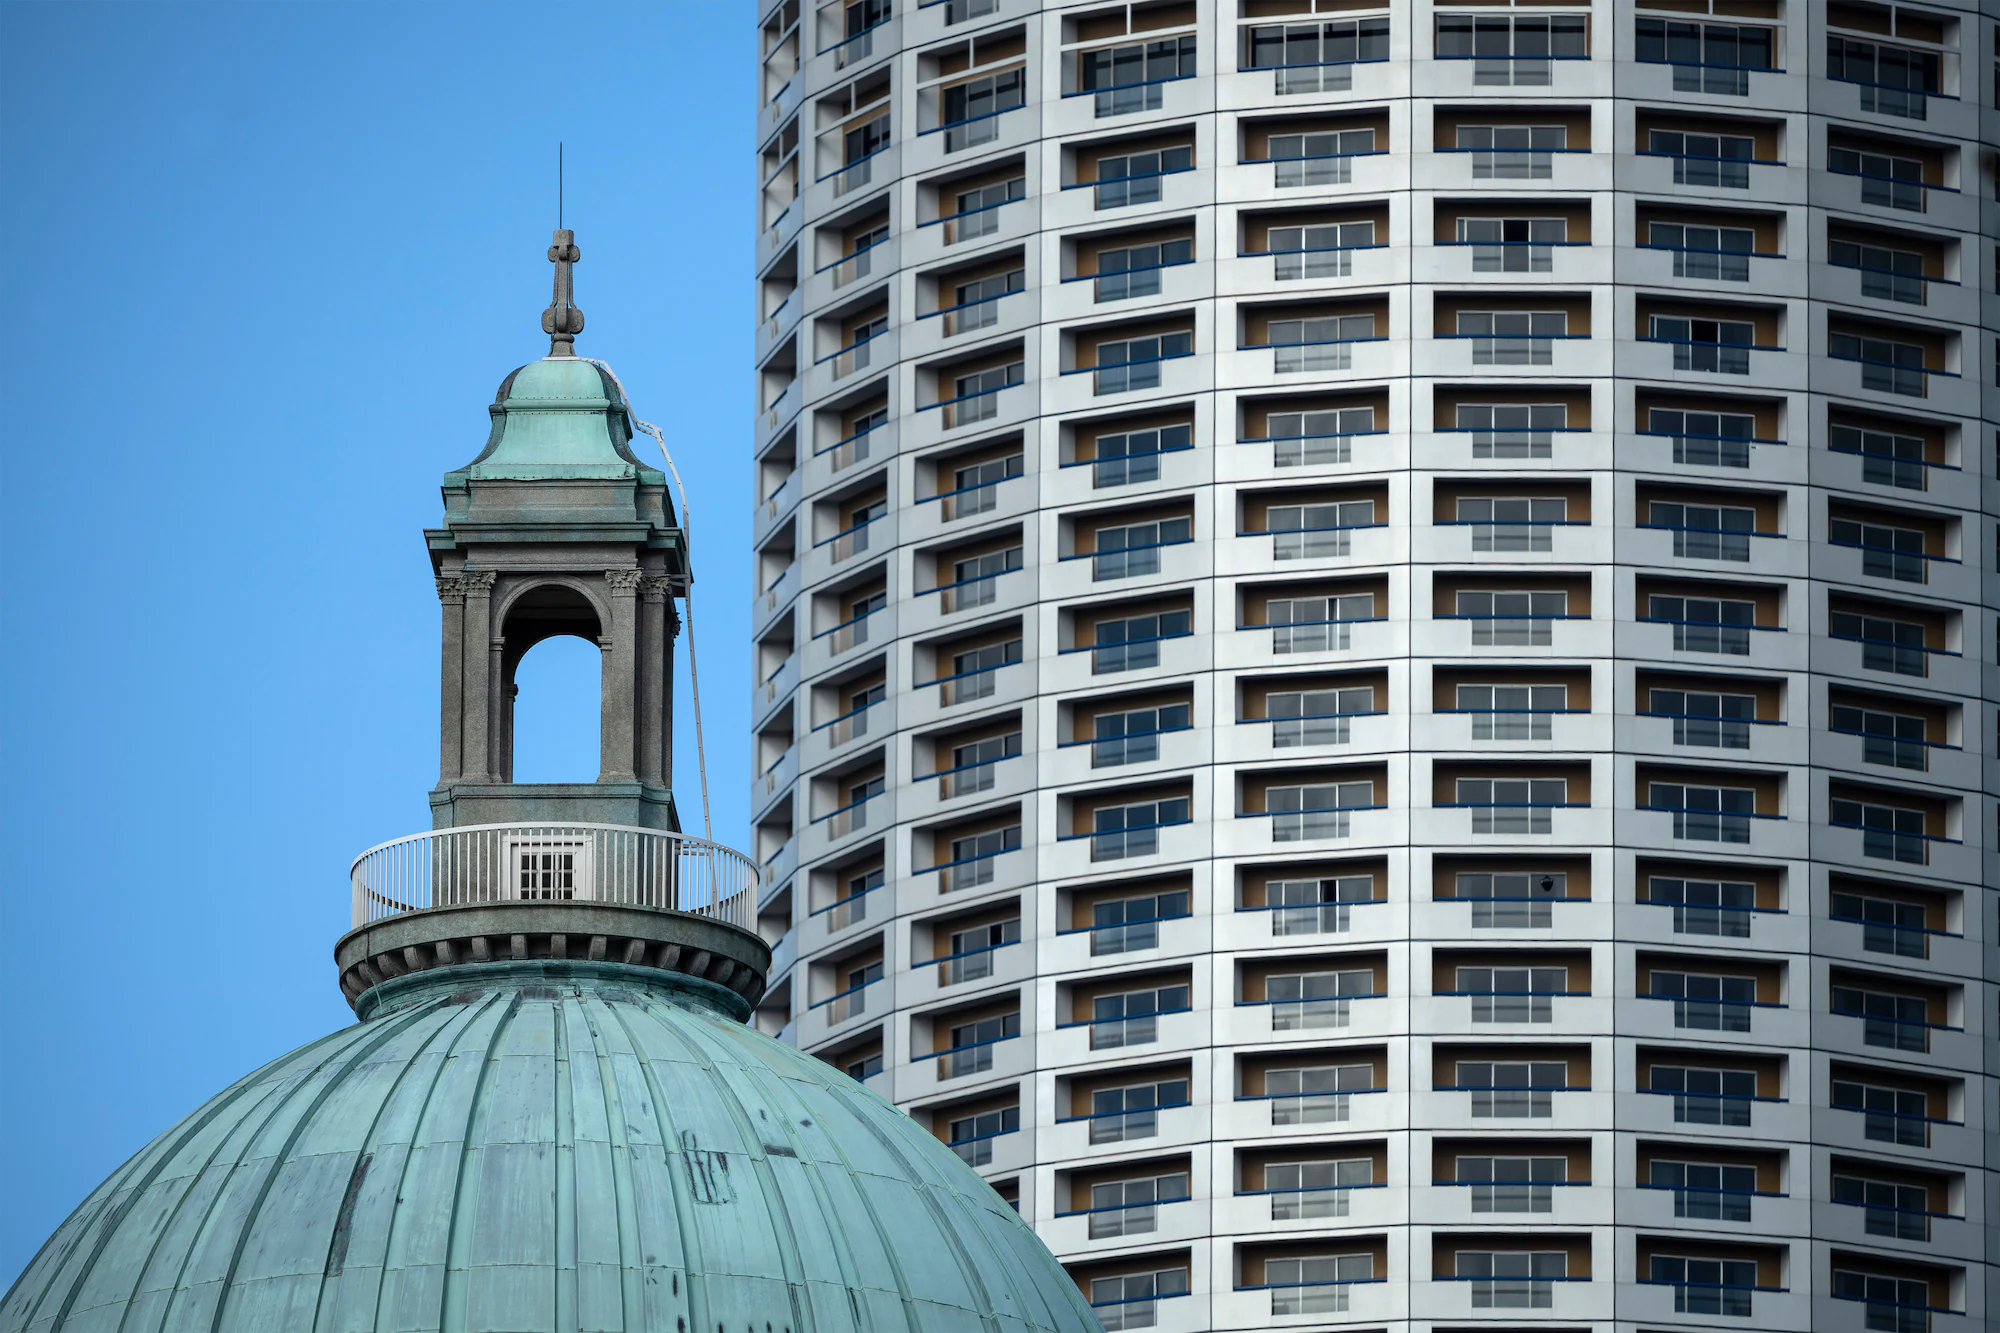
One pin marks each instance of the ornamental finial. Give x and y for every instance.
(562, 321)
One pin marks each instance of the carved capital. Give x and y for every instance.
(656, 589)
(451, 589)
(479, 582)
(673, 623)
(624, 582)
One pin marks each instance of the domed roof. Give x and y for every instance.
(560, 417)
(547, 1145)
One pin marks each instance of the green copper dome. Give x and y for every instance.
(545, 1145)
(558, 418)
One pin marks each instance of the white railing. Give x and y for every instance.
(503, 863)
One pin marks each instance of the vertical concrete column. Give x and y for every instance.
(477, 654)
(672, 631)
(451, 692)
(654, 684)
(620, 678)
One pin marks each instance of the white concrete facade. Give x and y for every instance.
(1364, 486)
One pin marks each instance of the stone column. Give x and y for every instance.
(655, 661)
(451, 694)
(477, 655)
(672, 632)
(616, 740)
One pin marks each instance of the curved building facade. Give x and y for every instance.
(1375, 642)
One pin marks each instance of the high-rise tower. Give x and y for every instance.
(1375, 632)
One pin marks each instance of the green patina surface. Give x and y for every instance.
(545, 1146)
(558, 418)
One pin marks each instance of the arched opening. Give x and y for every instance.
(554, 673)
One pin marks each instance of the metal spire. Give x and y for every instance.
(562, 321)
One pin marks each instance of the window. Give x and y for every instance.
(1886, 645)
(975, 489)
(1119, 831)
(1134, 550)
(1512, 1279)
(1719, 254)
(971, 1050)
(1132, 1207)
(1707, 1286)
(1325, 251)
(972, 765)
(1894, 79)
(1512, 994)
(975, 397)
(972, 109)
(1311, 345)
(1127, 925)
(1513, 152)
(1886, 274)
(1887, 181)
(1508, 51)
(1513, 245)
(1312, 1000)
(1706, 439)
(1894, 833)
(975, 212)
(1896, 1304)
(1705, 906)
(1719, 161)
(973, 671)
(1133, 737)
(1302, 1190)
(1902, 1212)
(971, 957)
(1134, 178)
(1512, 805)
(1133, 456)
(1512, 712)
(1325, 158)
(972, 1136)
(976, 304)
(1707, 1190)
(1318, 1095)
(1706, 624)
(1512, 1090)
(1510, 900)
(1708, 1001)
(1309, 439)
(1513, 337)
(1316, 624)
(1134, 363)
(1707, 57)
(1891, 1115)
(1706, 532)
(971, 863)
(1315, 717)
(1704, 718)
(1707, 1096)
(1706, 814)
(1510, 523)
(1129, 1301)
(1132, 1017)
(1887, 926)
(1120, 1115)
(1894, 1022)
(1720, 346)
(1134, 271)
(1317, 810)
(975, 580)
(1511, 619)
(1316, 531)
(1316, 1284)
(1512, 1184)
(1317, 57)
(1887, 459)
(1886, 552)
(549, 869)
(1315, 906)
(1134, 642)
(859, 144)
(867, 1067)
(1126, 79)
(1512, 430)
(852, 998)
(1887, 366)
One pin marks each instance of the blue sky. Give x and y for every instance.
(268, 264)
